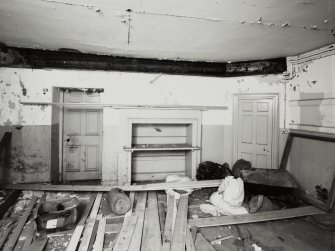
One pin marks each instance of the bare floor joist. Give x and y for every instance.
(256, 217)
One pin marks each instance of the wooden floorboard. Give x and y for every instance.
(179, 231)
(18, 229)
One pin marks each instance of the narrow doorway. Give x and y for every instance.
(82, 136)
(256, 130)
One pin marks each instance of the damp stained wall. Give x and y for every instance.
(31, 124)
(311, 105)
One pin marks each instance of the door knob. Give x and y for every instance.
(67, 140)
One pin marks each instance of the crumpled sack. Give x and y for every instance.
(228, 199)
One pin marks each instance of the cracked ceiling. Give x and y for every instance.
(202, 30)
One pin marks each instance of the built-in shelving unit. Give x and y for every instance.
(161, 143)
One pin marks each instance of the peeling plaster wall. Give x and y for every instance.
(33, 138)
(311, 99)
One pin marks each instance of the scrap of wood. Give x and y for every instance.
(151, 238)
(135, 243)
(125, 236)
(168, 228)
(99, 240)
(190, 246)
(202, 244)
(9, 200)
(179, 231)
(18, 229)
(88, 188)
(256, 217)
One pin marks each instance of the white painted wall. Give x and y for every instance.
(137, 89)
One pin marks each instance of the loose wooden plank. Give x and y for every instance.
(86, 188)
(168, 230)
(202, 244)
(80, 226)
(18, 229)
(162, 215)
(5, 234)
(190, 246)
(151, 238)
(9, 200)
(96, 206)
(87, 234)
(99, 240)
(75, 238)
(286, 152)
(94, 234)
(179, 232)
(125, 236)
(172, 185)
(135, 243)
(29, 238)
(256, 217)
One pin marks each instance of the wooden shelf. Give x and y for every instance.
(161, 147)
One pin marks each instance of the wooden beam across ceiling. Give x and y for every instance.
(69, 59)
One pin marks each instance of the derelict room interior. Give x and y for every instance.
(161, 125)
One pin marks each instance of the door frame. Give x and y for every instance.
(275, 125)
(58, 93)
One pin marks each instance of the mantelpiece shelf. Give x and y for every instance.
(161, 147)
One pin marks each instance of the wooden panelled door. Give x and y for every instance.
(82, 135)
(255, 131)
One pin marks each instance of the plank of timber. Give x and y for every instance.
(190, 246)
(9, 200)
(29, 238)
(86, 188)
(331, 197)
(169, 222)
(75, 238)
(256, 217)
(286, 152)
(43, 187)
(123, 241)
(99, 240)
(151, 238)
(38, 244)
(96, 205)
(87, 235)
(312, 200)
(17, 230)
(5, 234)
(179, 232)
(135, 243)
(80, 226)
(202, 244)
(172, 185)
(162, 214)
(94, 234)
